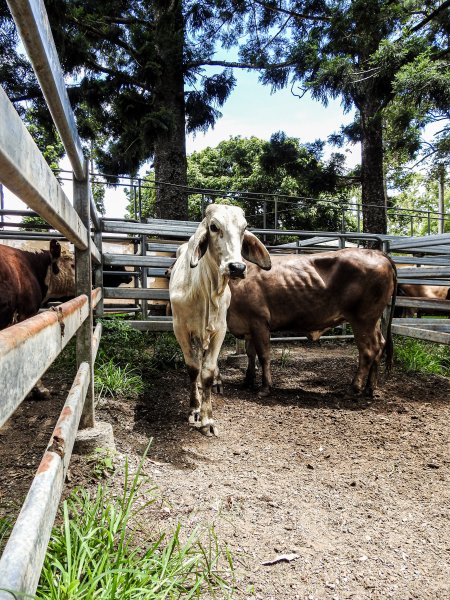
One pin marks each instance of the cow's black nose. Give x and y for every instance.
(237, 269)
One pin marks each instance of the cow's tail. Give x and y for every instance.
(389, 346)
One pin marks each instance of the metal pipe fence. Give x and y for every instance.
(28, 348)
(278, 211)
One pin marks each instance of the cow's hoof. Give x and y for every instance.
(194, 417)
(352, 394)
(209, 430)
(264, 392)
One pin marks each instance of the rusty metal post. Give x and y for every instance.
(83, 274)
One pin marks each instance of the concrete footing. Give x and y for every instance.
(100, 436)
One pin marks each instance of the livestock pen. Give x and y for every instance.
(27, 349)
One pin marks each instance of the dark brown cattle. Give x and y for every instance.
(310, 294)
(25, 281)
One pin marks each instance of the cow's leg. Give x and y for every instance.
(261, 340)
(192, 352)
(250, 374)
(209, 367)
(370, 343)
(372, 379)
(217, 383)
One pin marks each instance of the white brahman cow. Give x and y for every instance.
(200, 296)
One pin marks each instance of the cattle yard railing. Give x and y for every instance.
(274, 211)
(421, 260)
(27, 349)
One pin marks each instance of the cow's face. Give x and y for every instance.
(223, 233)
(61, 283)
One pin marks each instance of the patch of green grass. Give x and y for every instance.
(101, 462)
(96, 553)
(165, 351)
(122, 344)
(423, 357)
(5, 530)
(113, 380)
(285, 358)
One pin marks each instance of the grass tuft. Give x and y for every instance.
(95, 552)
(113, 380)
(422, 357)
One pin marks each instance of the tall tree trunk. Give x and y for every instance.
(170, 148)
(372, 181)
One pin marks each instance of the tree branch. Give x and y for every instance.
(119, 74)
(431, 16)
(239, 65)
(294, 14)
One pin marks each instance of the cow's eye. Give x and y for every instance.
(213, 228)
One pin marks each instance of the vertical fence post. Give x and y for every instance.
(133, 191)
(144, 303)
(265, 219)
(140, 200)
(358, 218)
(203, 206)
(98, 273)
(441, 196)
(83, 272)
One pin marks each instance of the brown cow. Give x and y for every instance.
(429, 292)
(310, 294)
(25, 281)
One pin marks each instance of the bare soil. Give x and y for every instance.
(356, 492)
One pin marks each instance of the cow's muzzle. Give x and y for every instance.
(237, 270)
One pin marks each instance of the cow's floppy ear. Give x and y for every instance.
(199, 243)
(55, 253)
(254, 251)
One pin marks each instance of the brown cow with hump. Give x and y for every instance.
(310, 294)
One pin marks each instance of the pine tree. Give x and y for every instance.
(363, 52)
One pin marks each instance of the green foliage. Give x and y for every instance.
(122, 344)
(165, 351)
(101, 461)
(34, 224)
(144, 352)
(96, 552)
(417, 193)
(281, 166)
(423, 357)
(113, 380)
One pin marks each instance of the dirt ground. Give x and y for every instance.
(356, 493)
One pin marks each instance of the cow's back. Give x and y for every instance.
(22, 284)
(308, 293)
